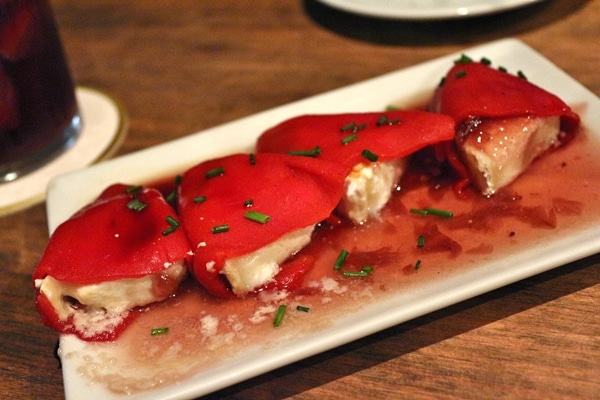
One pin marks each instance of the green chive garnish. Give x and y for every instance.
(486, 61)
(307, 153)
(432, 211)
(439, 213)
(177, 180)
(257, 217)
(464, 59)
(521, 75)
(421, 241)
(279, 315)
(460, 74)
(367, 268)
(199, 199)
(215, 172)
(341, 259)
(159, 331)
(302, 308)
(173, 226)
(348, 127)
(248, 203)
(442, 81)
(502, 69)
(383, 120)
(353, 127)
(171, 197)
(349, 138)
(369, 155)
(133, 190)
(358, 274)
(252, 159)
(220, 228)
(417, 264)
(136, 205)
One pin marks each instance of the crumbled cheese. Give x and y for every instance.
(262, 313)
(368, 188)
(95, 308)
(210, 266)
(210, 325)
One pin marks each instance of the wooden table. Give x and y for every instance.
(183, 66)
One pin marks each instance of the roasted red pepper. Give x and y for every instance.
(214, 197)
(343, 137)
(474, 89)
(126, 234)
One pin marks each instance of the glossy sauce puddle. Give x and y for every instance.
(205, 331)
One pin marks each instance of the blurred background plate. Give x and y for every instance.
(426, 9)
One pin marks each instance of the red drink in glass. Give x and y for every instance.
(38, 110)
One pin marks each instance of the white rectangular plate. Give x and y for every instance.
(68, 193)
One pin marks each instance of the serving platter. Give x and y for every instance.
(426, 9)
(67, 193)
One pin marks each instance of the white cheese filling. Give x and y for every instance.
(251, 271)
(368, 188)
(498, 151)
(98, 307)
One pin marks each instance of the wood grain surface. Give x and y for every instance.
(182, 66)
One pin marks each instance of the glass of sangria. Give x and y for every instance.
(39, 117)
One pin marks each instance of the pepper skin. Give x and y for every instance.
(295, 192)
(108, 242)
(389, 135)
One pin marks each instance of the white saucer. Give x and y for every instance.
(104, 128)
(426, 9)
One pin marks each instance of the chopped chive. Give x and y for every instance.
(279, 315)
(417, 264)
(464, 59)
(348, 127)
(418, 211)
(421, 241)
(173, 225)
(432, 211)
(133, 190)
(502, 69)
(159, 331)
(439, 213)
(367, 268)
(177, 180)
(486, 61)
(308, 153)
(521, 75)
(252, 159)
(369, 155)
(341, 259)
(248, 203)
(220, 228)
(302, 308)
(353, 127)
(215, 172)
(442, 81)
(349, 138)
(383, 120)
(391, 107)
(199, 199)
(171, 197)
(460, 74)
(136, 205)
(358, 274)
(257, 217)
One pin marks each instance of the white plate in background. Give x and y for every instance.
(426, 9)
